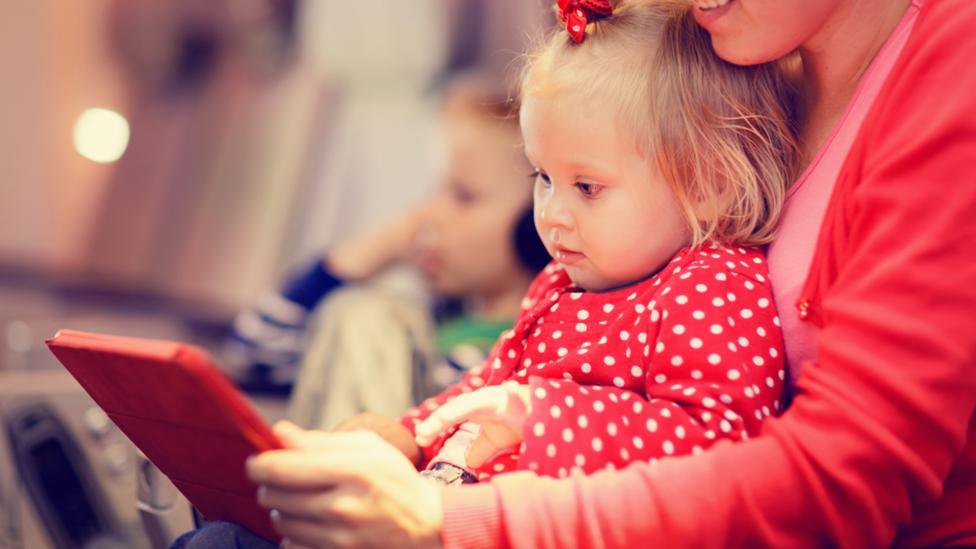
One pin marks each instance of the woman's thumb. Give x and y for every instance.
(294, 437)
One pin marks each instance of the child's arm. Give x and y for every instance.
(401, 432)
(475, 378)
(699, 390)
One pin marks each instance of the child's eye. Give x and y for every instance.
(589, 190)
(536, 175)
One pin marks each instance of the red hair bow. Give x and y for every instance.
(576, 14)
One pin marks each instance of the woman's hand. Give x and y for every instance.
(388, 428)
(500, 410)
(348, 489)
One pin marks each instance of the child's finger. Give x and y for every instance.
(461, 409)
(493, 437)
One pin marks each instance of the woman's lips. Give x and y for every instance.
(707, 12)
(710, 4)
(568, 257)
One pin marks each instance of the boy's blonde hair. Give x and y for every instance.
(720, 134)
(475, 94)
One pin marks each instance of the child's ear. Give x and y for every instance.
(709, 208)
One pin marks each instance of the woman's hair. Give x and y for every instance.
(720, 134)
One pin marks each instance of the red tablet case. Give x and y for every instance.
(179, 409)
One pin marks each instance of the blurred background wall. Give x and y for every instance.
(252, 133)
(164, 163)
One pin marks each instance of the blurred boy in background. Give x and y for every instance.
(372, 350)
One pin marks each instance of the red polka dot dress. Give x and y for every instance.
(663, 367)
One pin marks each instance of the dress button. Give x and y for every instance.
(804, 309)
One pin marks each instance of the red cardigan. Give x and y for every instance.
(879, 445)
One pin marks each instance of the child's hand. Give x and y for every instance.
(500, 410)
(389, 429)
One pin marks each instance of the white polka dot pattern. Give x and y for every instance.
(660, 368)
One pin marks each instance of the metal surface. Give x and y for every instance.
(67, 478)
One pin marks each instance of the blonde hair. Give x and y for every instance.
(720, 134)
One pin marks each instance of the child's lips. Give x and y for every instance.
(568, 257)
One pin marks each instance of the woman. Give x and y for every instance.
(879, 446)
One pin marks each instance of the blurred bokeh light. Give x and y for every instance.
(101, 135)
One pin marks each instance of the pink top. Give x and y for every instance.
(789, 256)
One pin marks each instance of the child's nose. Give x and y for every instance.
(555, 213)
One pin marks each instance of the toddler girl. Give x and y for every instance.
(659, 169)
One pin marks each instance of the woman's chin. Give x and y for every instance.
(740, 50)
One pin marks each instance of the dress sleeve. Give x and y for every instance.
(473, 379)
(476, 377)
(711, 361)
(880, 420)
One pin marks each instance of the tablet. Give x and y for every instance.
(173, 402)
